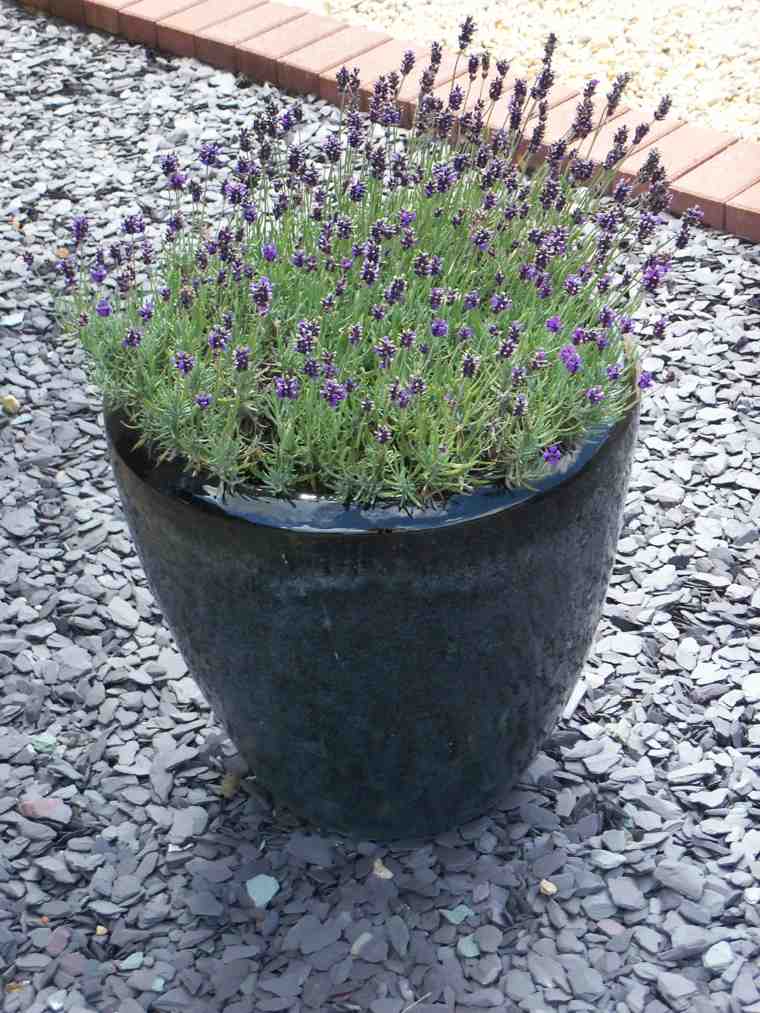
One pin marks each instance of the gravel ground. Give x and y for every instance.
(139, 872)
(702, 53)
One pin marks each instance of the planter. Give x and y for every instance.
(384, 675)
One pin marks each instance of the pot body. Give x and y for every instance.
(387, 683)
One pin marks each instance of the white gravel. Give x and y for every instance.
(702, 53)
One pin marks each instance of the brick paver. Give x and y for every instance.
(743, 214)
(260, 57)
(301, 70)
(218, 44)
(681, 151)
(176, 34)
(105, 14)
(138, 21)
(717, 181)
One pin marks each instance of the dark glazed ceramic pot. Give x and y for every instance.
(384, 675)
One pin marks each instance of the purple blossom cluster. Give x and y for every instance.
(379, 290)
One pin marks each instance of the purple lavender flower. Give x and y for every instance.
(217, 339)
(554, 324)
(519, 375)
(287, 387)
(616, 92)
(595, 395)
(132, 339)
(506, 348)
(311, 367)
(659, 326)
(655, 270)
(385, 350)
(269, 252)
(80, 227)
(407, 62)
(552, 455)
(466, 33)
(165, 293)
(500, 302)
(614, 370)
(370, 272)
(470, 364)
(98, 273)
(331, 149)
(28, 257)
(308, 333)
(573, 284)
(407, 218)
(367, 405)
(456, 98)
(241, 356)
(203, 400)
(606, 316)
(394, 293)
(465, 332)
(471, 300)
(356, 191)
(645, 380)
(146, 310)
(133, 225)
(261, 291)
(520, 406)
(177, 181)
(103, 308)
(481, 239)
(663, 108)
(383, 434)
(407, 338)
(417, 385)
(439, 328)
(169, 164)
(329, 369)
(569, 356)
(250, 212)
(355, 333)
(184, 362)
(403, 397)
(209, 154)
(539, 359)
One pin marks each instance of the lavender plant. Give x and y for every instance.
(408, 315)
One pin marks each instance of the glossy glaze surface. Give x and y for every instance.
(388, 681)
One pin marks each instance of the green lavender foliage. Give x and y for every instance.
(432, 276)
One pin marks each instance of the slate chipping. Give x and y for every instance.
(132, 852)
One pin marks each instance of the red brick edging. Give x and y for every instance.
(300, 51)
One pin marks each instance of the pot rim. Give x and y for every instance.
(312, 514)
